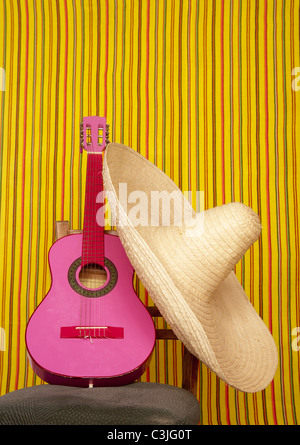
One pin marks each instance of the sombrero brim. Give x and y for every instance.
(190, 278)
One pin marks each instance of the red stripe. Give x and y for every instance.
(240, 106)
(209, 398)
(189, 100)
(65, 113)
(147, 80)
(227, 405)
(106, 59)
(222, 101)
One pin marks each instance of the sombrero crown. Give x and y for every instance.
(187, 267)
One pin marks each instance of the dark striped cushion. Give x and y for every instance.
(135, 404)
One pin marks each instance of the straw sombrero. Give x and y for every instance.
(185, 261)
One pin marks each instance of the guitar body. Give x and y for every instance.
(79, 336)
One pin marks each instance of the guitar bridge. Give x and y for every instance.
(90, 332)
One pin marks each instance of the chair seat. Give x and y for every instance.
(139, 403)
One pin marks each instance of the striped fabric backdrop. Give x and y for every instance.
(206, 89)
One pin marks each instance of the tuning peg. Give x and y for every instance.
(81, 137)
(107, 134)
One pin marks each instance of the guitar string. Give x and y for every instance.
(101, 305)
(82, 306)
(88, 235)
(93, 220)
(85, 230)
(81, 301)
(92, 231)
(95, 189)
(101, 311)
(101, 247)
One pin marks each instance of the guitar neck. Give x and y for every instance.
(93, 229)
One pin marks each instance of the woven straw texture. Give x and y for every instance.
(204, 90)
(184, 271)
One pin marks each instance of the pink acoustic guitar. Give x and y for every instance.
(91, 329)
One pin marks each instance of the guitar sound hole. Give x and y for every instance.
(104, 280)
(92, 276)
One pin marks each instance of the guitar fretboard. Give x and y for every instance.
(93, 229)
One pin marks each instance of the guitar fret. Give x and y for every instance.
(92, 241)
(90, 235)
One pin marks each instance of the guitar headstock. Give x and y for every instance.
(94, 134)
